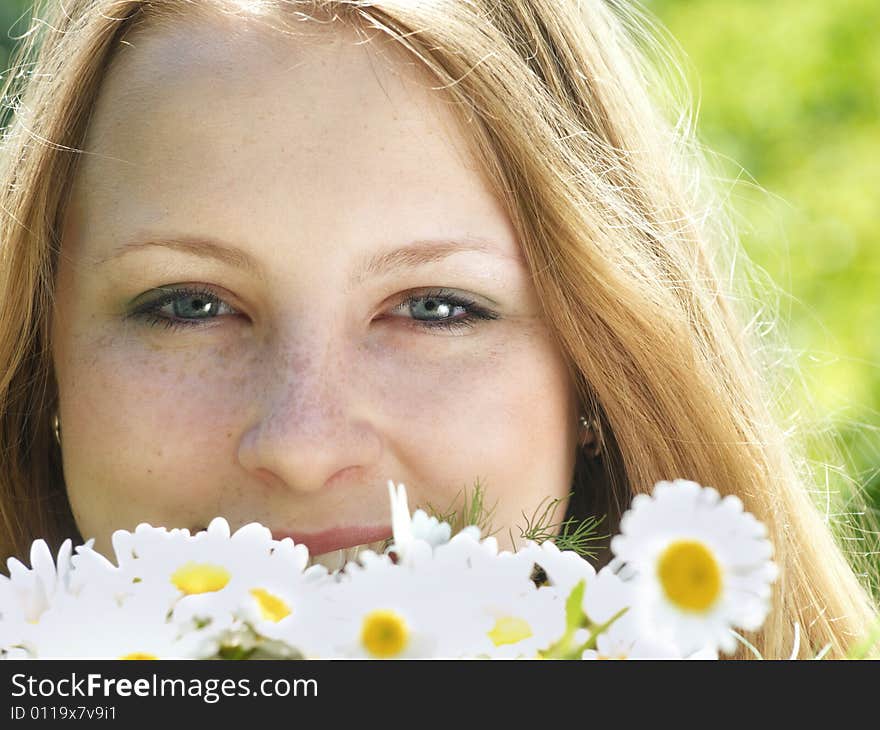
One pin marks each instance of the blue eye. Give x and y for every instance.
(442, 309)
(183, 307)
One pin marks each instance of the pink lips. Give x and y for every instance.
(337, 538)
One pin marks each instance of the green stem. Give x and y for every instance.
(596, 630)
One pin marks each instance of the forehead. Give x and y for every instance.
(168, 56)
(215, 110)
(192, 79)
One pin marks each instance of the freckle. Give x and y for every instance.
(149, 471)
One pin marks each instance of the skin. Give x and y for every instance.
(307, 387)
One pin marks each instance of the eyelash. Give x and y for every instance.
(148, 313)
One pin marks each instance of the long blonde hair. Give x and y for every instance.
(587, 140)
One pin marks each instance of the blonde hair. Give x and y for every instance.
(594, 156)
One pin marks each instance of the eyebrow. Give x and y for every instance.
(207, 248)
(410, 256)
(415, 254)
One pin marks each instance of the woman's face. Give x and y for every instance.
(284, 282)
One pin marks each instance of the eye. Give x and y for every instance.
(443, 309)
(184, 307)
(181, 307)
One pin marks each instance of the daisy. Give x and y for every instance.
(530, 623)
(430, 529)
(28, 592)
(248, 579)
(621, 635)
(261, 610)
(214, 582)
(493, 609)
(209, 560)
(380, 613)
(99, 627)
(462, 599)
(622, 641)
(701, 566)
(563, 569)
(490, 606)
(417, 533)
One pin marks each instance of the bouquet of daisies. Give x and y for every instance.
(689, 569)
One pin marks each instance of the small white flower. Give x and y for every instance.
(529, 623)
(261, 608)
(209, 560)
(702, 565)
(28, 592)
(415, 535)
(563, 569)
(208, 580)
(381, 612)
(605, 597)
(622, 642)
(430, 529)
(401, 523)
(467, 551)
(99, 627)
(462, 599)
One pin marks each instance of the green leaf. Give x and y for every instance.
(574, 608)
(473, 511)
(235, 652)
(578, 536)
(596, 630)
(575, 619)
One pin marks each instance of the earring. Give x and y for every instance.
(56, 427)
(589, 436)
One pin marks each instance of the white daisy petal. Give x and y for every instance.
(700, 564)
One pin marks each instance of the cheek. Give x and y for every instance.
(145, 433)
(504, 414)
(508, 380)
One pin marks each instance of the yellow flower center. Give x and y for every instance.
(384, 633)
(509, 630)
(690, 575)
(272, 608)
(200, 578)
(139, 655)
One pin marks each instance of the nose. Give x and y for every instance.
(312, 427)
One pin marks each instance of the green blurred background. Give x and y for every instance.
(789, 93)
(790, 96)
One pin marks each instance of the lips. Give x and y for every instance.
(337, 538)
(337, 559)
(337, 546)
